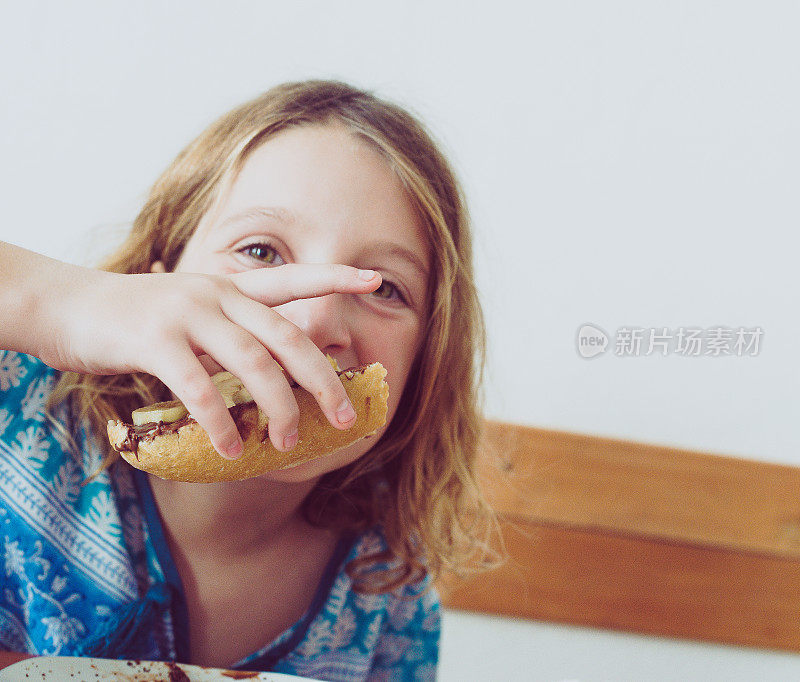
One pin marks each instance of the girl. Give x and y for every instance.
(314, 219)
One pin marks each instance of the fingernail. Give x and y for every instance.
(367, 274)
(290, 441)
(235, 450)
(345, 412)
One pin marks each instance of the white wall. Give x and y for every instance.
(626, 163)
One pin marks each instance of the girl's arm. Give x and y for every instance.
(32, 287)
(96, 322)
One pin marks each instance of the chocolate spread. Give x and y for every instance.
(147, 432)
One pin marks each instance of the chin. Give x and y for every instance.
(316, 468)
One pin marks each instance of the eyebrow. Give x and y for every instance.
(393, 249)
(250, 214)
(284, 216)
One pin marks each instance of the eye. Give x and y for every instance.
(261, 251)
(267, 254)
(385, 291)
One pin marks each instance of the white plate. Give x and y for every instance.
(106, 670)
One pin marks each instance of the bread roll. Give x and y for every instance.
(182, 450)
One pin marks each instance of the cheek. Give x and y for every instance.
(400, 356)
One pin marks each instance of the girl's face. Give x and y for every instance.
(319, 194)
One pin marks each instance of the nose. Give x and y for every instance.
(323, 319)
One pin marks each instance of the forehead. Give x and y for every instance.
(326, 181)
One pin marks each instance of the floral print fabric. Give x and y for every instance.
(74, 554)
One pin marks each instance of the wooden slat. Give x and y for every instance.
(635, 584)
(642, 538)
(586, 481)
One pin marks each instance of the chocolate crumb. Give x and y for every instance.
(176, 673)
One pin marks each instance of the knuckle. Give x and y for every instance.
(168, 334)
(224, 286)
(338, 397)
(283, 404)
(201, 288)
(333, 390)
(165, 337)
(256, 359)
(292, 412)
(243, 344)
(259, 361)
(290, 335)
(229, 433)
(200, 393)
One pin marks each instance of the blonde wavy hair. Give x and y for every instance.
(419, 482)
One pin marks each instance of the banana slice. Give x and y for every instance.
(170, 411)
(242, 396)
(223, 377)
(227, 382)
(231, 388)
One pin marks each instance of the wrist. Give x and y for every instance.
(30, 283)
(66, 307)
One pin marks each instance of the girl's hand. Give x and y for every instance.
(161, 323)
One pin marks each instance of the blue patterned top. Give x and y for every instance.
(86, 570)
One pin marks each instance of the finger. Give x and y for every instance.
(279, 285)
(189, 381)
(297, 353)
(238, 351)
